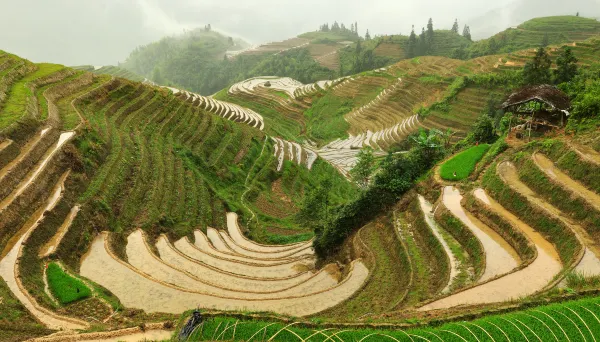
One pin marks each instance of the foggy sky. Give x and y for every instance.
(100, 32)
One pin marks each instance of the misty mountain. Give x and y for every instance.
(520, 11)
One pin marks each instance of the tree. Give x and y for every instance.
(577, 14)
(422, 46)
(467, 32)
(455, 26)
(315, 206)
(411, 49)
(537, 71)
(566, 66)
(429, 35)
(429, 143)
(545, 40)
(157, 76)
(230, 41)
(364, 168)
(367, 36)
(483, 129)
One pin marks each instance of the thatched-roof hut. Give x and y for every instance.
(553, 98)
(538, 107)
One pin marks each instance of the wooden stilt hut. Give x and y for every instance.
(539, 108)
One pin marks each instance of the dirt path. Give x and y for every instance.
(548, 167)
(138, 291)
(527, 281)
(427, 209)
(40, 166)
(500, 258)
(9, 267)
(153, 332)
(586, 153)
(590, 264)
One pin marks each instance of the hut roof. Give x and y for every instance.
(548, 94)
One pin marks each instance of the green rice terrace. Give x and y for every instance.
(432, 199)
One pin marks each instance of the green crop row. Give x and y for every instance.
(571, 321)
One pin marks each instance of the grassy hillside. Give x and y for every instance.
(531, 34)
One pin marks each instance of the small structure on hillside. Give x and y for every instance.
(540, 108)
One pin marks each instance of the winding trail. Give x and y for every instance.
(547, 166)
(527, 281)
(500, 258)
(590, 264)
(427, 210)
(9, 268)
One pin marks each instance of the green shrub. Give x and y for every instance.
(463, 163)
(64, 287)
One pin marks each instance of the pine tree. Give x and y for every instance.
(429, 40)
(356, 28)
(537, 71)
(467, 32)
(577, 14)
(422, 46)
(455, 26)
(566, 66)
(412, 44)
(545, 40)
(367, 35)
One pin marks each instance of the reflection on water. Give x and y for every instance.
(500, 256)
(427, 209)
(527, 281)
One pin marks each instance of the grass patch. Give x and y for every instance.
(463, 164)
(16, 104)
(65, 288)
(326, 118)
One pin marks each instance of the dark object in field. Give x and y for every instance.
(191, 324)
(268, 84)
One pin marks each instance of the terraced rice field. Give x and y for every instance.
(174, 286)
(150, 196)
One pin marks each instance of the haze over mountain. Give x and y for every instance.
(522, 10)
(85, 32)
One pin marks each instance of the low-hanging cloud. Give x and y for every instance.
(74, 32)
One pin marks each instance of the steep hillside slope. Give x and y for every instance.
(114, 171)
